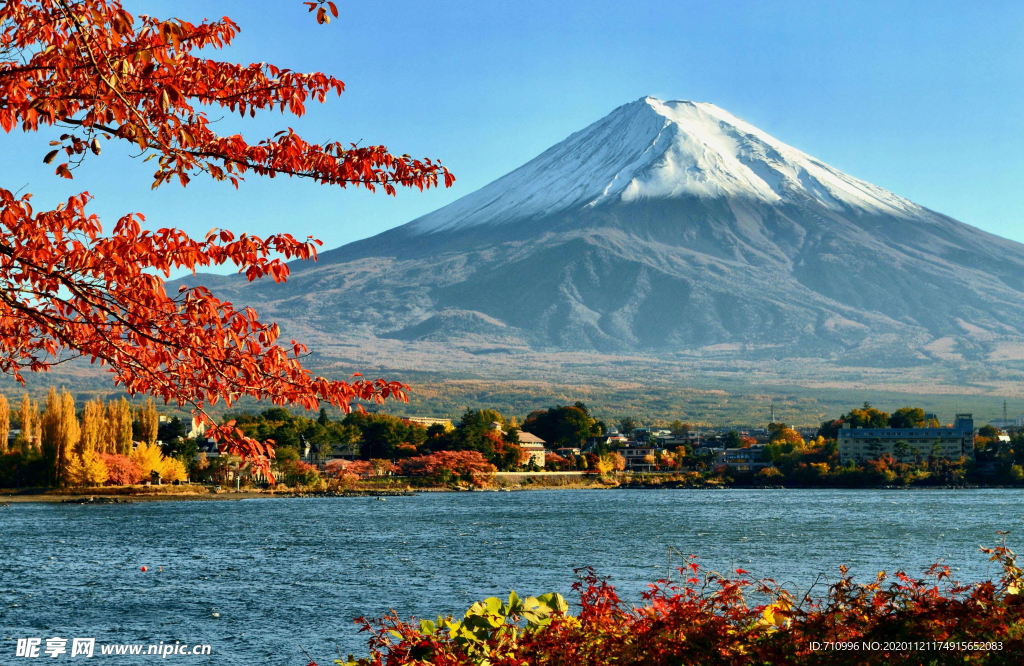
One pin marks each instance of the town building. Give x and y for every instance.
(749, 459)
(532, 445)
(908, 445)
(427, 421)
(635, 455)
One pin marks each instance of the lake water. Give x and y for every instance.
(287, 572)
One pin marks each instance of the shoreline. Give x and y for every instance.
(8, 496)
(51, 497)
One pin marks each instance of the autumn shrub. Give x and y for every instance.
(555, 462)
(447, 466)
(351, 469)
(121, 470)
(298, 473)
(768, 474)
(707, 618)
(381, 467)
(337, 469)
(341, 483)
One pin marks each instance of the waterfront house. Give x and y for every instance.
(534, 446)
(635, 455)
(531, 444)
(748, 459)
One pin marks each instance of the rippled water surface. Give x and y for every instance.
(285, 572)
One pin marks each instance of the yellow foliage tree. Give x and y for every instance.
(148, 422)
(820, 469)
(790, 436)
(87, 469)
(173, 470)
(605, 464)
(26, 421)
(117, 432)
(37, 424)
(59, 434)
(5, 423)
(149, 459)
(93, 424)
(69, 431)
(49, 435)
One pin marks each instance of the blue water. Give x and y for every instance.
(287, 572)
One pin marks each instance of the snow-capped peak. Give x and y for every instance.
(650, 149)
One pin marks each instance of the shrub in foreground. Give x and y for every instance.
(713, 619)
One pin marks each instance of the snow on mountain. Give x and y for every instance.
(650, 149)
(670, 229)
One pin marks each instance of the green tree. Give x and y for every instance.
(627, 425)
(989, 431)
(830, 429)
(380, 438)
(907, 417)
(563, 426)
(679, 428)
(732, 439)
(168, 431)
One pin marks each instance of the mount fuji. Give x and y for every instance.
(666, 230)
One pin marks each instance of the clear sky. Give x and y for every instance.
(922, 98)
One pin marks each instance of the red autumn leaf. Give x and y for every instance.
(68, 289)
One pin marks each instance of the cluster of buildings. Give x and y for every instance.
(644, 446)
(647, 444)
(855, 445)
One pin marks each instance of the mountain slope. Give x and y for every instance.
(671, 229)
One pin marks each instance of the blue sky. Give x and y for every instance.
(922, 98)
